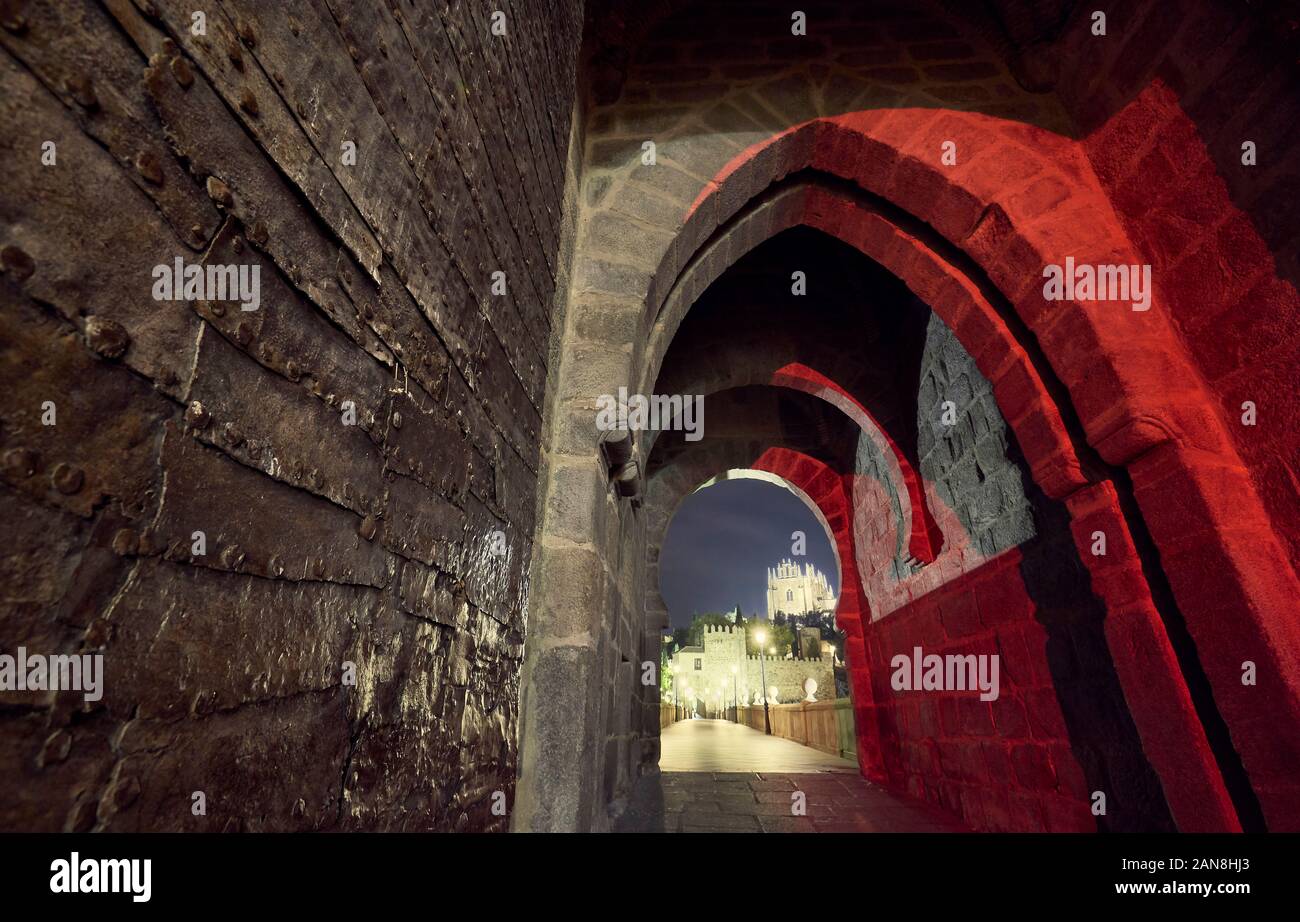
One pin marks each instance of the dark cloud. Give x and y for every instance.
(723, 539)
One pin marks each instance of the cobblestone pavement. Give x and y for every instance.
(765, 798)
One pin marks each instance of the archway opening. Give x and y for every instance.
(1007, 579)
(827, 174)
(1102, 444)
(750, 574)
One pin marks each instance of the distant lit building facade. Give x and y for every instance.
(720, 672)
(795, 590)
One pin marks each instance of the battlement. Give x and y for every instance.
(782, 659)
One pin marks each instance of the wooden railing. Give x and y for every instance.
(824, 725)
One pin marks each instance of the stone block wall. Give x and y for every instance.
(1223, 246)
(342, 647)
(1059, 730)
(788, 676)
(883, 543)
(965, 456)
(975, 492)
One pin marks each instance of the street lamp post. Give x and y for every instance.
(761, 637)
(735, 701)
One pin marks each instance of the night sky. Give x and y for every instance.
(723, 539)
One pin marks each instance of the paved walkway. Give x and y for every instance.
(723, 746)
(716, 776)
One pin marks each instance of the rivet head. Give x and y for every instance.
(182, 73)
(246, 33)
(82, 91)
(219, 192)
(232, 556)
(106, 338)
(292, 371)
(145, 545)
(83, 815)
(67, 479)
(397, 419)
(204, 702)
(149, 167)
(21, 462)
(369, 525)
(196, 414)
(124, 542)
(244, 333)
(99, 632)
(124, 792)
(17, 263)
(57, 746)
(258, 233)
(13, 18)
(248, 102)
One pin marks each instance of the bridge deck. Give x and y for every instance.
(716, 776)
(723, 746)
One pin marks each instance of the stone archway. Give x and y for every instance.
(921, 534)
(823, 490)
(1053, 368)
(1189, 597)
